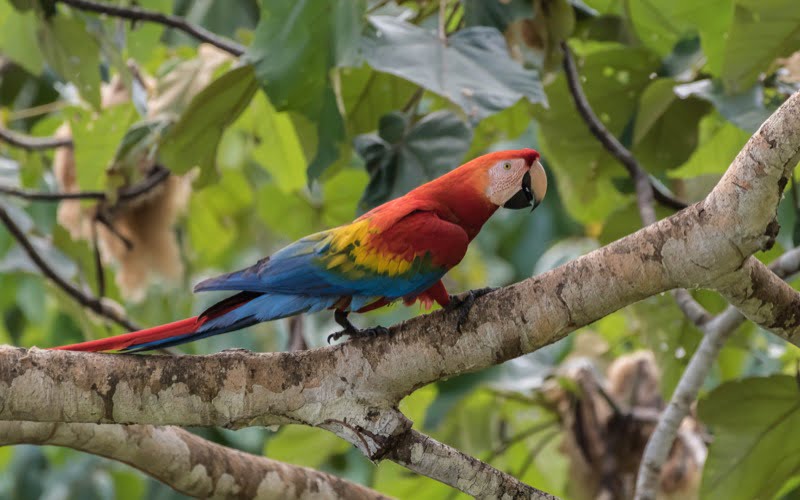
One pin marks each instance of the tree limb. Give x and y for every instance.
(177, 22)
(188, 463)
(716, 332)
(32, 143)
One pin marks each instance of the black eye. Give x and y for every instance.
(507, 166)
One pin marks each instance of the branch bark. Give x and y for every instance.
(187, 462)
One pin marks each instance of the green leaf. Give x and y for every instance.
(403, 156)
(495, 13)
(473, 69)
(293, 444)
(762, 31)
(746, 110)
(211, 233)
(193, 140)
(368, 94)
(278, 147)
(296, 45)
(18, 41)
(660, 25)
(665, 131)
(755, 448)
(96, 139)
(721, 142)
(612, 75)
(73, 53)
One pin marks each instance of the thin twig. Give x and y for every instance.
(177, 22)
(159, 174)
(717, 330)
(32, 143)
(441, 21)
(646, 190)
(103, 219)
(83, 298)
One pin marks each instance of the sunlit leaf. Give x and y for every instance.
(755, 448)
(720, 144)
(73, 54)
(193, 140)
(762, 30)
(18, 41)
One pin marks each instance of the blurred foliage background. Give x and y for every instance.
(339, 105)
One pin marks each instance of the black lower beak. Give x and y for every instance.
(523, 197)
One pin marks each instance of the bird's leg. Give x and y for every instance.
(350, 330)
(463, 302)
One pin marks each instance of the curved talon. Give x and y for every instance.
(355, 333)
(464, 302)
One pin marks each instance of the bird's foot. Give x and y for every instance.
(355, 333)
(463, 302)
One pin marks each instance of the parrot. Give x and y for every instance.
(399, 250)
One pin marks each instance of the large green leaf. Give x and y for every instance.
(746, 109)
(96, 139)
(73, 53)
(755, 448)
(18, 40)
(660, 25)
(612, 75)
(665, 131)
(296, 45)
(193, 140)
(401, 156)
(762, 30)
(277, 146)
(368, 94)
(473, 69)
(720, 143)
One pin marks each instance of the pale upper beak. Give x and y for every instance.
(533, 189)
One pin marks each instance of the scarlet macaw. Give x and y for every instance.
(398, 250)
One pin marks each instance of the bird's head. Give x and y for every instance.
(514, 179)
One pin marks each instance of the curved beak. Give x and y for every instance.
(532, 191)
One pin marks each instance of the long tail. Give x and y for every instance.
(178, 332)
(234, 313)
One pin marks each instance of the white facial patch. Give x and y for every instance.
(505, 180)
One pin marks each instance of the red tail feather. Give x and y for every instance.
(118, 342)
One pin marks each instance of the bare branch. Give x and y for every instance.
(425, 455)
(186, 462)
(717, 331)
(177, 22)
(646, 190)
(32, 143)
(158, 174)
(81, 297)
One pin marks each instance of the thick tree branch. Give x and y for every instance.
(188, 463)
(32, 143)
(716, 332)
(83, 298)
(179, 23)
